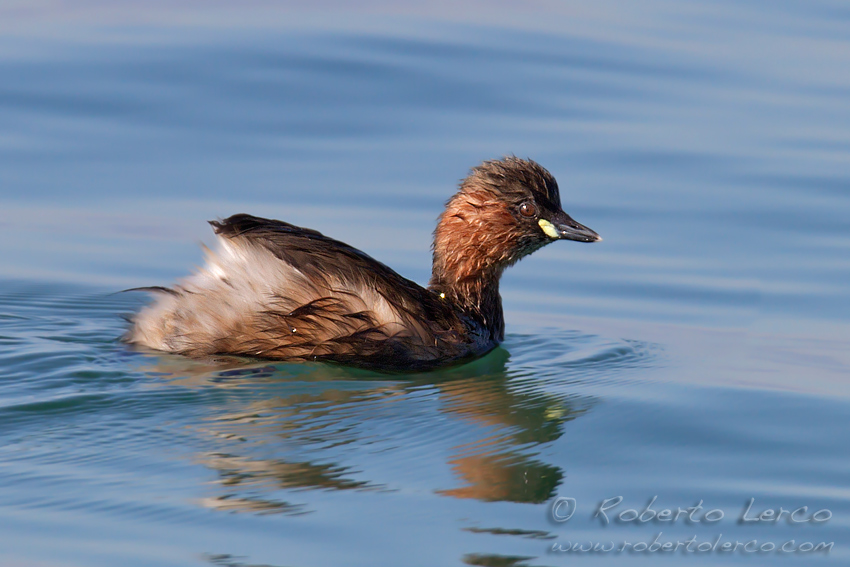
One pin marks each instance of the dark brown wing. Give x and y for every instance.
(350, 308)
(323, 259)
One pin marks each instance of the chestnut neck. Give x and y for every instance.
(474, 241)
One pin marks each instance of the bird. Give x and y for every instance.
(272, 290)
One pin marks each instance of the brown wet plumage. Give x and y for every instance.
(277, 291)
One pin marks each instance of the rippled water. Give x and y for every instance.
(698, 354)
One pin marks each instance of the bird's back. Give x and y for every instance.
(274, 290)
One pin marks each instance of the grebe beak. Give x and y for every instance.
(563, 227)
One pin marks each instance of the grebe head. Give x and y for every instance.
(505, 209)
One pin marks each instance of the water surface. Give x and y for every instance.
(698, 354)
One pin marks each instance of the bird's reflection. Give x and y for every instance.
(286, 428)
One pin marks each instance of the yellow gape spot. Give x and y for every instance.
(548, 228)
(443, 295)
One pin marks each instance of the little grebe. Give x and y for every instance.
(278, 291)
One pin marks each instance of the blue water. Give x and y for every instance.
(699, 353)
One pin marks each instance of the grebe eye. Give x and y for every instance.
(527, 210)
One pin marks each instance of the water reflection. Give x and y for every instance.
(496, 560)
(227, 560)
(496, 466)
(284, 428)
